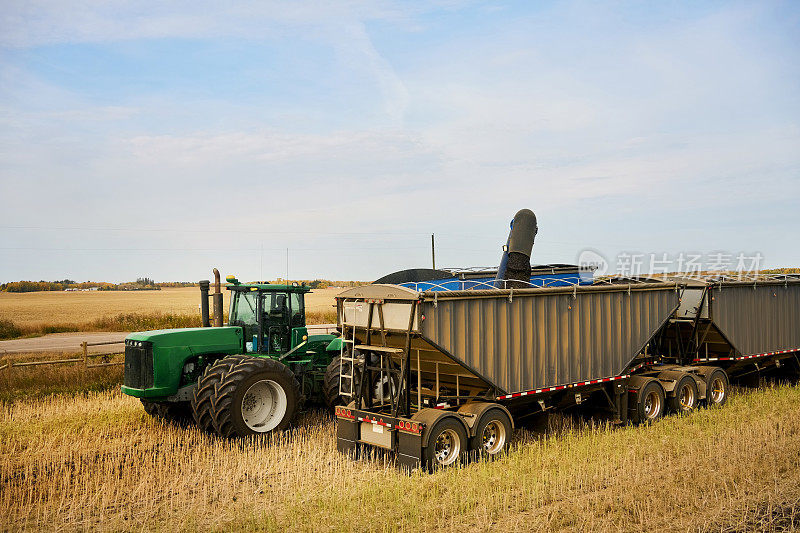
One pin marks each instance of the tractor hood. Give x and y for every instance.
(155, 361)
(201, 340)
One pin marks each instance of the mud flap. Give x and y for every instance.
(346, 435)
(409, 450)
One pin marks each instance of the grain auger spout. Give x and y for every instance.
(515, 265)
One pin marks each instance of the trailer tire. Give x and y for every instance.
(205, 389)
(650, 402)
(492, 434)
(447, 444)
(255, 396)
(717, 387)
(685, 397)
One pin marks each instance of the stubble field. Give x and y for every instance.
(96, 461)
(51, 312)
(34, 308)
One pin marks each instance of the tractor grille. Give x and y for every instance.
(138, 364)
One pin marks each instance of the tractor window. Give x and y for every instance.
(276, 307)
(298, 311)
(243, 309)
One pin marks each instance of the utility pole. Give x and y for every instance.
(433, 252)
(287, 265)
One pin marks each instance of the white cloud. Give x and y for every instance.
(642, 135)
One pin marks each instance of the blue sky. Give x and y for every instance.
(161, 140)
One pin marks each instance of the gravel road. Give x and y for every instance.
(71, 342)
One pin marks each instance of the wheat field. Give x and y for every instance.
(36, 308)
(97, 461)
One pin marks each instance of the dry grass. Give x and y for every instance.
(96, 461)
(29, 382)
(38, 313)
(32, 308)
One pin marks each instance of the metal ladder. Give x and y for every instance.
(347, 356)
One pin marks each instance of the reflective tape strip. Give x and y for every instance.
(373, 421)
(561, 387)
(745, 357)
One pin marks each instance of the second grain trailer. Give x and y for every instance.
(437, 376)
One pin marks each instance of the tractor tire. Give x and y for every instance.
(331, 383)
(255, 396)
(205, 389)
(151, 408)
(171, 411)
(175, 411)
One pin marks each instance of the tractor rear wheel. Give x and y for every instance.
(331, 383)
(205, 389)
(256, 395)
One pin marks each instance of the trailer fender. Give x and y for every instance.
(473, 411)
(670, 378)
(636, 384)
(430, 417)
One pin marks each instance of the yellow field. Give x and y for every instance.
(36, 308)
(98, 462)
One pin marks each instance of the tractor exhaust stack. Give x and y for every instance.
(217, 299)
(204, 303)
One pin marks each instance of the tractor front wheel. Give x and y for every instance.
(206, 389)
(255, 396)
(171, 411)
(151, 408)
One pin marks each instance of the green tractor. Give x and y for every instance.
(250, 377)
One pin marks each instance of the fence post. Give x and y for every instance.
(85, 355)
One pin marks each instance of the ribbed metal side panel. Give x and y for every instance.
(543, 340)
(758, 319)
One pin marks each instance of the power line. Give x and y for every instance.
(203, 231)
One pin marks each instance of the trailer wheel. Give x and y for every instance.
(447, 444)
(206, 386)
(686, 396)
(255, 396)
(650, 402)
(492, 433)
(717, 387)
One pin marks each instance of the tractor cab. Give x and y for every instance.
(272, 316)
